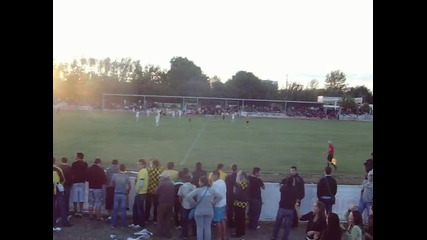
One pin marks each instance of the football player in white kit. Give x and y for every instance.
(158, 119)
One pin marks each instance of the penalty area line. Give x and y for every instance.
(190, 149)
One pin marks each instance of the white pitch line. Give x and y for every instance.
(194, 143)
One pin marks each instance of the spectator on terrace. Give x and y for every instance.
(165, 193)
(109, 190)
(241, 200)
(297, 182)
(222, 175)
(327, 189)
(353, 230)
(316, 219)
(122, 186)
(197, 173)
(141, 186)
(177, 203)
(204, 212)
(79, 167)
(219, 206)
(255, 200)
(333, 230)
(230, 181)
(288, 199)
(173, 174)
(183, 191)
(369, 233)
(68, 184)
(96, 178)
(154, 175)
(369, 165)
(366, 196)
(58, 198)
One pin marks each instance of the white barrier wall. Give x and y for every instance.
(347, 196)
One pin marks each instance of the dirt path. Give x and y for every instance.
(85, 229)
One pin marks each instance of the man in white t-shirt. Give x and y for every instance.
(219, 207)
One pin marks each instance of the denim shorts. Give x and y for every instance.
(219, 213)
(78, 192)
(96, 198)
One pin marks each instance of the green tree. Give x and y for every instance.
(294, 92)
(187, 79)
(335, 83)
(347, 103)
(365, 108)
(313, 84)
(244, 85)
(361, 91)
(217, 87)
(270, 89)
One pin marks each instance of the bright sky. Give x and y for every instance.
(304, 39)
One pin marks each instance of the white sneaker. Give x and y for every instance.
(143, 236)
(144, 232)
(131, 225)
(56, 229)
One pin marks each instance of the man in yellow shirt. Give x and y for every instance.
(222, 174)
(172, 173)
(141, 187)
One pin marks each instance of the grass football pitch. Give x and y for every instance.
(274, 145)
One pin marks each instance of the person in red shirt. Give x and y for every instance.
(331, 151)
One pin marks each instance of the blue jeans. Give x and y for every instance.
(119, 202)
(61, 209)
(67, 193)
(283, 214)
(254, 212)
(55, 210)
(362, 206)
(185, 222)
(138, 214)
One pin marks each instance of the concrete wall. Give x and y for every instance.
(347, 196)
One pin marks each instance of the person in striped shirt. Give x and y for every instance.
(241, 200)
(154, 175)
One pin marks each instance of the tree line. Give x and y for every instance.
(84, 80)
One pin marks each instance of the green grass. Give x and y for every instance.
(272, 144)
